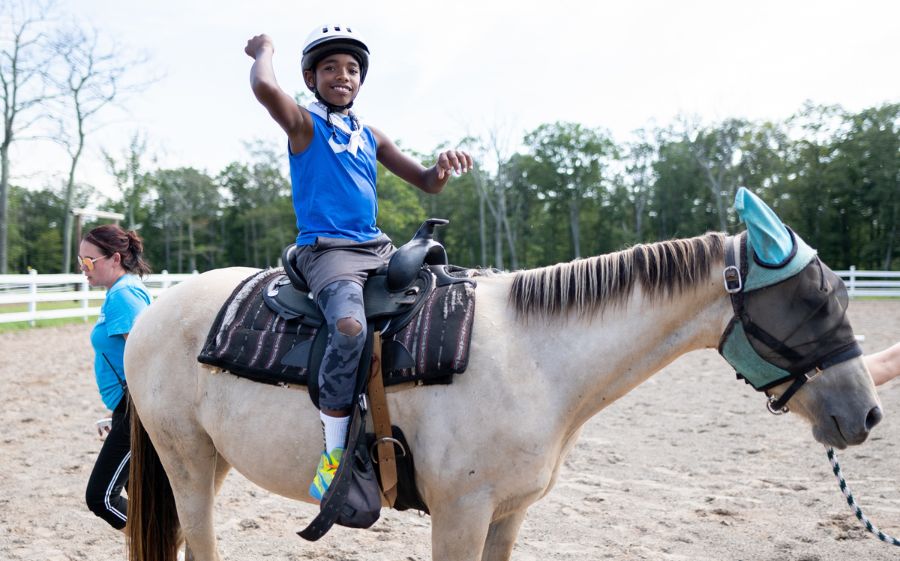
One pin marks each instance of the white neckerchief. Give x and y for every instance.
(356, 138)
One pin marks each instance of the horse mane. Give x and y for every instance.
(591, 285)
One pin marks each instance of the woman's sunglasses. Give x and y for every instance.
(87, 263)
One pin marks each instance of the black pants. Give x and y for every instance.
(110, 475)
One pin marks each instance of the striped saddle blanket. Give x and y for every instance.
(249, 339)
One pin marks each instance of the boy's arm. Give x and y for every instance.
(293, 119)
(430, 180)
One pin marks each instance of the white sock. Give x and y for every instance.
(335, 431)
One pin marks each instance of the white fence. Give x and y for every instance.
(871, 283)
(33, 289)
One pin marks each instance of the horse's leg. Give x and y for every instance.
(198, 473)
(502, 536)
(459, 528)
(222, 469)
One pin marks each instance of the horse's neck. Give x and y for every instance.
(592, 362)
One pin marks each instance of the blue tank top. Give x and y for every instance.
(333, 188)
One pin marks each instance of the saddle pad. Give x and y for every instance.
(249, 340)
(437, 338)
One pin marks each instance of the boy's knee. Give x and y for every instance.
(349, 326)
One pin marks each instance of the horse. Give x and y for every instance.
(550, 348)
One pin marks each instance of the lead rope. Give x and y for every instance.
(852, 502)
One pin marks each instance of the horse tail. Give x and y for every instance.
(153, 531)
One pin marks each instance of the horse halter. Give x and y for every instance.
(789, 321)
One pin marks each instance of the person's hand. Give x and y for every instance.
(255, 44)
(453, 161)
(103, 427)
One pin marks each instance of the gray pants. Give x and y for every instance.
(333, 259)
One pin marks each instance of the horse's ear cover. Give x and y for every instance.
(769, 237)
(780, 334)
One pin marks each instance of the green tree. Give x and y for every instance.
(24, 58)
(678, 204)
(36, 227)
(129, 177)
(868, 163)
(400, 211)
(639, 178)
(259, 214)
(718, 152)
(89, 75)
(805, 195)
(575, 158)
(185, 216)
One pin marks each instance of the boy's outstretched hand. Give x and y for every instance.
(455, 162)
(258, 42)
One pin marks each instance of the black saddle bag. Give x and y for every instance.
(362, 507)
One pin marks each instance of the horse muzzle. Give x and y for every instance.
(840, 432)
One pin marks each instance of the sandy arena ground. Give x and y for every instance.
(689, 466)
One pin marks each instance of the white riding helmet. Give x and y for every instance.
(329, 39)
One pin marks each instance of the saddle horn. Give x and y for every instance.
(422, 249)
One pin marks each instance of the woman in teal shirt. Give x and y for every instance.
(111, 257)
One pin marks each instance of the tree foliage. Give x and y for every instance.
(24, 90)
(569, 191)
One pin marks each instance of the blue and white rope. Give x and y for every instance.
(852, 502)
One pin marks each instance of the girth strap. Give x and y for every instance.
(381, 422)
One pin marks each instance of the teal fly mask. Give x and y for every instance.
(789, 308)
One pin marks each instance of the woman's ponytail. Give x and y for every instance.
(135, 257)
(112, 239)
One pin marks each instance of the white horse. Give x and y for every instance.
(550, 348)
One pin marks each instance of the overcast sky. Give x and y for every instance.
(441, 70)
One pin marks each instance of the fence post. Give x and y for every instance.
(852, 288)
(85, 288)
(32, 293)
(166, 283)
